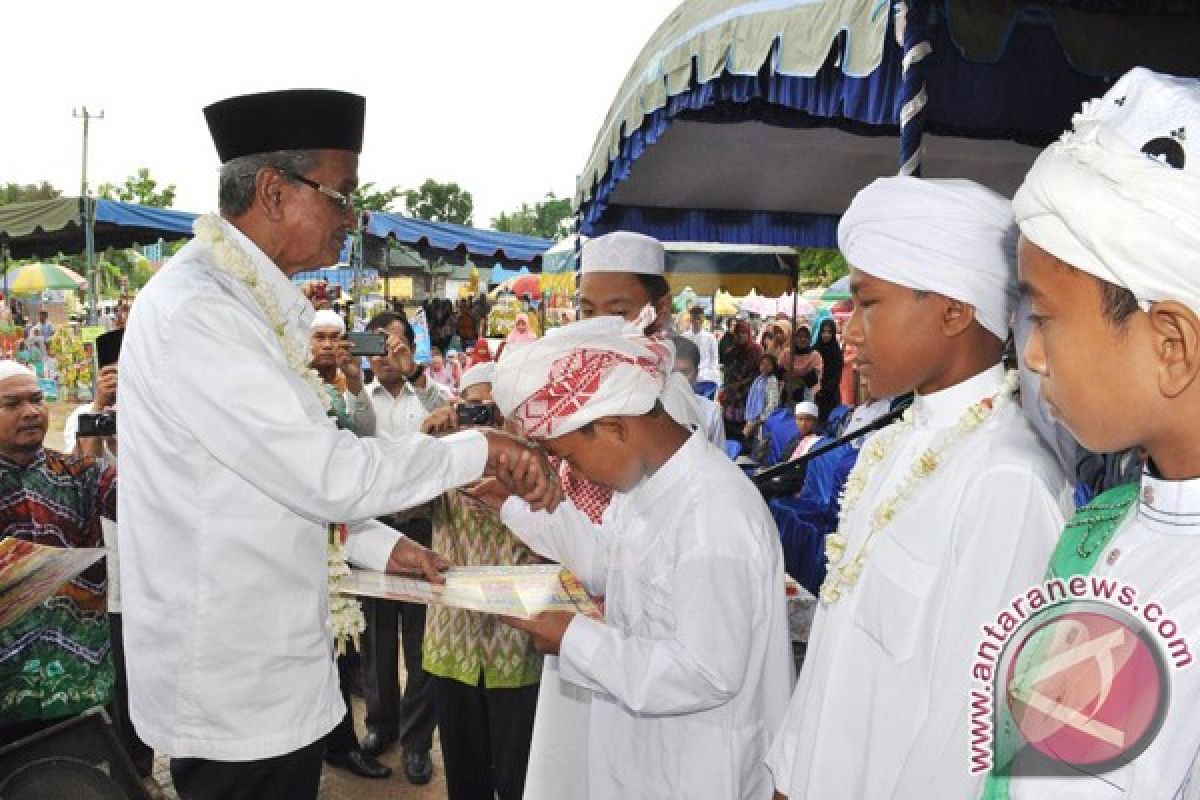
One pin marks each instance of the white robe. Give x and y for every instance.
(1157, 551)
(689, 674)
(879, 709)
(231, 472)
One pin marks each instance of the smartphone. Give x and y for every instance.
(108, 348)
(368, 344)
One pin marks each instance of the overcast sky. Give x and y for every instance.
(504, 98)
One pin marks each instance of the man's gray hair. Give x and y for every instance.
(235, 193)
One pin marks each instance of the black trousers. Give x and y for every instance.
(485, 737)
(294, 776)
(139, 752)
(409, 718)
(342, 740)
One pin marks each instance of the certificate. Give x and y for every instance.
(31, 573)
(517, 591)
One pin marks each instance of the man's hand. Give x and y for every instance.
(489, 491)
(350, 366)
(410, 558)
(547, 629)
(401, 354)
(106, 388)
(443, 420)
(524, 470)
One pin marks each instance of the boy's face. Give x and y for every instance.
(898, 334)
(602, 455)
(806, 423)
(617, 294)
(1070, 340)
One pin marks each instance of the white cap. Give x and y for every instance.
(326, 318)
(480, 373)
(808, 408)
(11, 369)
(624, 251)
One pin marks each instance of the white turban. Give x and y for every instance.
(12, 369)
(623, 251)
(1119, 196)
(326, 318)
(807, 407)
(952, 237)
(559, 384)
(482, 372)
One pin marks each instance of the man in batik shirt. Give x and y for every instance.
(55, 661)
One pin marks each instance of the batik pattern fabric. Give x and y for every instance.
(56, 661)
(464, 645)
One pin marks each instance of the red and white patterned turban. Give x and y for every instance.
(559, 384)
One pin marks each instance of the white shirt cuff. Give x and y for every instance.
(468, 456)
(514, 509)
(583, 639)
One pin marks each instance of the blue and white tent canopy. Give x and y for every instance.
(756, 121)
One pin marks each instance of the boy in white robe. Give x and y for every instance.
(1110, 257)
(946, 516)
(690, 670)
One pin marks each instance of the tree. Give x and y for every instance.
(549, 219)
(141, 189)
(820, 266)
(440, 202)
(366, 198)
(21, 193)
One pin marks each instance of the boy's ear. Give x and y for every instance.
(1176, 332)
(957, 316)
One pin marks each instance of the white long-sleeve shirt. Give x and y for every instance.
(689, 673)
(880, 709)
(709, 368)
(231, 472)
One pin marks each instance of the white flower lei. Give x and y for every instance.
(345, 612)
(843, 573)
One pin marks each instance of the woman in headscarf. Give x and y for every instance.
(522, 331)
(481, 353)
(741, 368)
(829, 392)
(806, 365)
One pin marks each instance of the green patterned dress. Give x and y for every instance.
(56, 661)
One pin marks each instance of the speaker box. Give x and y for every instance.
(78, 759)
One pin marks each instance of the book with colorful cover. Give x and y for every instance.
(32, 573)
(515, 591)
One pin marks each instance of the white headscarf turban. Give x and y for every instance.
(559, 384)
(1119, 195)
(952, 237)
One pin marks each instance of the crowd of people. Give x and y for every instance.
(260, 457)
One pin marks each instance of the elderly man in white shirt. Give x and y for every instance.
(236, 474)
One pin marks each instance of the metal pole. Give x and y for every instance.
(89, 216)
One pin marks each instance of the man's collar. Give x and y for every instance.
(38, 460)
(294, 306)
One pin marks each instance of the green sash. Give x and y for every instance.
(1084, 539)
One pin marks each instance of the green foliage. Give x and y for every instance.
(549, 219)
(820, 266)
(141, 189)
(366, 198)
(21, 193)
(440, 202)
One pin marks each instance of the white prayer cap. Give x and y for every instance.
(1119, 195)
(560, 383)
(482, 372)
(952, 237)
(325, 318)
(12, 369)
(807, 407)
(623, 251)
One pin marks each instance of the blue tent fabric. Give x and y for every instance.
(803, 545)
(168, 221)
(448, 236)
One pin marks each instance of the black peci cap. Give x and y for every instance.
(292, 119)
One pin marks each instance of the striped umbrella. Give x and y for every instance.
(38, 278)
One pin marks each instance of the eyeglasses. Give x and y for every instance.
(345, 203)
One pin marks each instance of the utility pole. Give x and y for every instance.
(89, 215)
